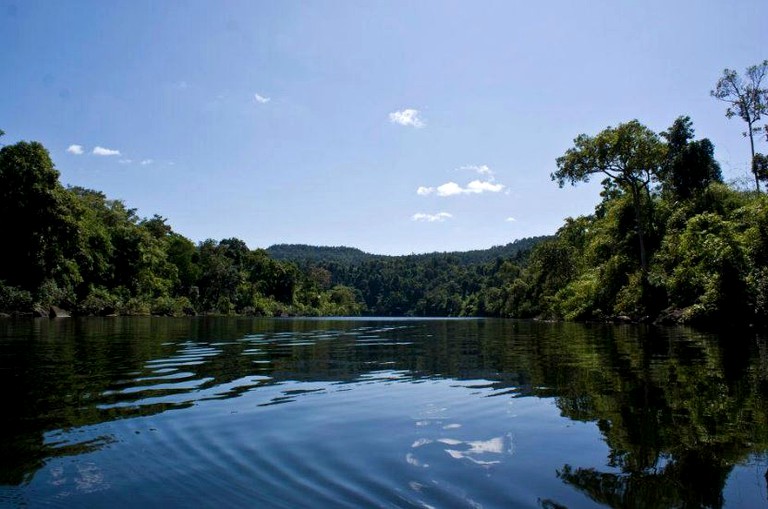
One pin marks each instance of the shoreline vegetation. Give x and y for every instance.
(669, 242)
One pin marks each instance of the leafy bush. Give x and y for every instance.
(577, 300)
(98, 302)
(706, 270)
(52, 294)
(172, 306)
(136, 306)
(13, 299)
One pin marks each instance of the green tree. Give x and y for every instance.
(690, 165)
(760, 166)
(157, 226)
(183, 254)
(219, 276)
(37, 223)
(746, 98)
(141, 262)
(630, 155)
(95, 250)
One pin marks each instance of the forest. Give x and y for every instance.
(79, 252)
(669, 242)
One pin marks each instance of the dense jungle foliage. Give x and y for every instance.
(77, 250)
(669, 241)
(434, 284)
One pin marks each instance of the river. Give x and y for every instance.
(242, 412)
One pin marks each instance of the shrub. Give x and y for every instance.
(14, 299)
(98, 302)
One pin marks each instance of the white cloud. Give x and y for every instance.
(510, 219)
(407, 117)
(261, 99)
(453, 189)
(101, 151)
(146, 162)
(431, 218)
(450, 189)
(479, 186)
(75, 149)
(125, 161)
(482, 169)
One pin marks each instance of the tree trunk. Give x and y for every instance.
(752, 161)
(640, 230)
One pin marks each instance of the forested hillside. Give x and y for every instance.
(669, 241)
(304, 254)
(433, 284)
(307, 255)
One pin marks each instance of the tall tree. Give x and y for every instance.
(746, 98)
(690, 166)
(36, 222)
(630, 155)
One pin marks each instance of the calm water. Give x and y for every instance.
(226, 412)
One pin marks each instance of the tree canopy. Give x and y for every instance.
(690, 166)
(34, 214)
(629, 155)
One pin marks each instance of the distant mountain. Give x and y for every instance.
(305, 254)
(308, 255)
(479, 256)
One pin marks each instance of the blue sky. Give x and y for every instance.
(391, 126)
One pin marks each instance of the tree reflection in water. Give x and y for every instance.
(678, 413)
